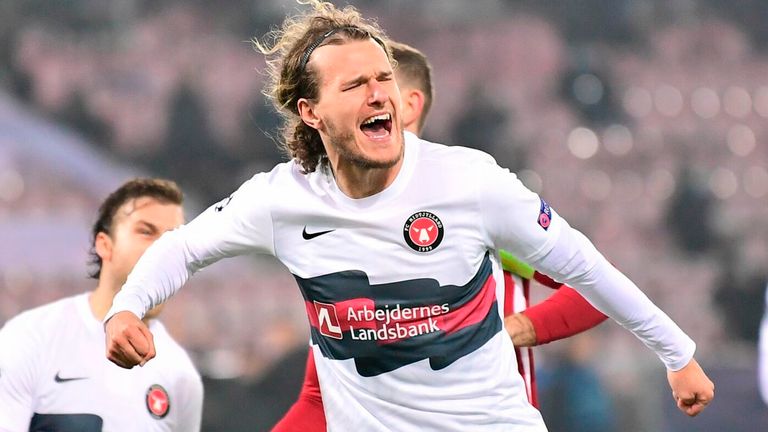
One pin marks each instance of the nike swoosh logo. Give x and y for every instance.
(310, 236)
(59, 379)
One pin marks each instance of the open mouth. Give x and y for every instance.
(378, 126)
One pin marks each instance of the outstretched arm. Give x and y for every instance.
(562, 315)
(515, 216)
(235, 226)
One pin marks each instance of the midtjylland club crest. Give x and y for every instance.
(423, 231)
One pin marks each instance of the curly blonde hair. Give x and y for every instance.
(292, 77)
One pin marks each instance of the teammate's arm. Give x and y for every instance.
(564, 314)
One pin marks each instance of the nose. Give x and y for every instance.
(377, 94)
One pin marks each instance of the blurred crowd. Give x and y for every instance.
(647, 134)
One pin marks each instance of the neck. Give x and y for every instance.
(357, 182)
(101, 298)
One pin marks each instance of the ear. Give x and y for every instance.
(103, 246)
(307, 113)
(413, 107)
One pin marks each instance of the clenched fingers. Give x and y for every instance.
(693, 404)
(128, 340)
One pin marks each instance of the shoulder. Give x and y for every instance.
(456, 167)
(258, 190)
(39, 322)
(445, 154)
(284, 177)
(281, 173)
(33, 334)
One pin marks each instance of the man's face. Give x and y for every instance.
(137, 224)
(358, 106)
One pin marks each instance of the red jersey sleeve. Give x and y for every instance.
(563, 314)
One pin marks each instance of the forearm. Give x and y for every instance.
(159, 273)
(575, 261)
(520, 329)
(562, 315)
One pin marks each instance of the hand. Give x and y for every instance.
(691, 388)
(129, 341)
(520, 329)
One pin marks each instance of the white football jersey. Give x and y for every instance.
(402, 288)
(54, 376)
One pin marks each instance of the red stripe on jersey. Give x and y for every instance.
(534, 394)
(527, 292)
(520, 369)
(533, 397)
(365, 315)
(471, 312)
(528, 373)
(509, 293)
(546, 280)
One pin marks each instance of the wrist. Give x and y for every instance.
(520, 330)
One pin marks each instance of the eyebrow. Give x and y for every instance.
(150, 225)
(362, 79)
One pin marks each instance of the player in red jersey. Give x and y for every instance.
(563, 314)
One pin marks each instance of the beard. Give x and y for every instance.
(344, 144)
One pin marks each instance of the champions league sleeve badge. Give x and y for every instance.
(545, 215)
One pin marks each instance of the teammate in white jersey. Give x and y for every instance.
(393, 242)
(53, 374)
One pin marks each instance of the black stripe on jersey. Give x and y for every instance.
(373, 357)
(66, 423)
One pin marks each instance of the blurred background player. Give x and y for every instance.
(54, 376)
(563, 314)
